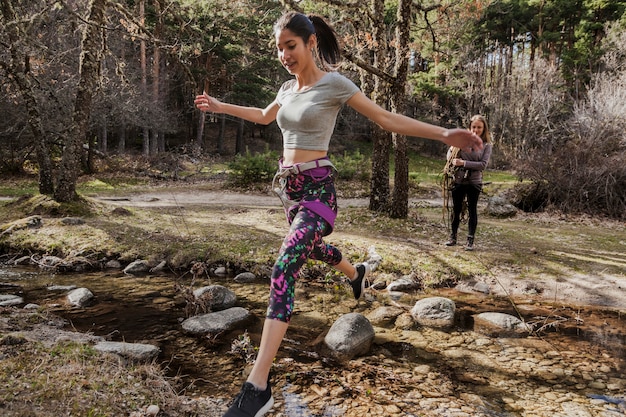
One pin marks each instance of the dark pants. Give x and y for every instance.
(459, 193)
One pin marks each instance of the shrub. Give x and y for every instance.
(248, 169)
(580, 166)
(353, 166)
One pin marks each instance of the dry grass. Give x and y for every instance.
(45, 377)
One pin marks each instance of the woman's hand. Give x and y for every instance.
(206, 103)
(462, 138)
(457, 162)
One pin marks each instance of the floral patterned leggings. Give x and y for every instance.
(304, 241)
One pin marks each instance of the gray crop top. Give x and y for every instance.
(307, 118)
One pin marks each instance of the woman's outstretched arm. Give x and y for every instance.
(393, 122)
(265, 116)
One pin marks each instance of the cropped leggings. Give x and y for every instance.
(304, 241)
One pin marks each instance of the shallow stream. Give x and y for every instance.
(459, 368)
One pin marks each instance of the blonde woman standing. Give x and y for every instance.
(468, 180)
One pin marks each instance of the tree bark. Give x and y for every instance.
(18, 70)
(91, 56)
(144, 74)
(399, 208)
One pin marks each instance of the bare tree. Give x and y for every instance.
(18, 69)
(91, 57)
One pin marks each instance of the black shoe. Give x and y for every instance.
(470, 244)
(451, 242)
(361, 282)
(250, 402)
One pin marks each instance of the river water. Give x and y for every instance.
(579, 356)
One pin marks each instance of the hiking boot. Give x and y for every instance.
(470, 243)
(361, 282)
(250, 402)
(452, 240)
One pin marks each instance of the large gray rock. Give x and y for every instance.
(499, 324)
(137, 267)
(80, 297)
(217, 322)
(384, 315)
(498, 206)
(350, 336)
(434, 312)
(132, 351)
(7, 300)
(215, 297)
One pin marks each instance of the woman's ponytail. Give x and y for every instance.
(327, 45)
(328, 50)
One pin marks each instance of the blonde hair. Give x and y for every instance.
(486, 135)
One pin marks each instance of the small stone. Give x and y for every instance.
(152, 410)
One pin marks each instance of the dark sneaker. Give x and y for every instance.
(469, 246)
(250, 402)
(451, 242)
(361, 282)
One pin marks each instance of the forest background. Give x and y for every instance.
(84, 80)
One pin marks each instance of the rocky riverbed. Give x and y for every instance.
(573, 365)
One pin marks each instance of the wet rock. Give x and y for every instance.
(499, 324)
(137, 267)
(220, 271)
(50, 261)
(7, 300)
(215, 297)
(434, 312)
(61, 287)
(217, 322)
(80, 297)
(350, 336)
(160, 267)
(132, 351)
(384, 315)
(245, 277)
(113, 264)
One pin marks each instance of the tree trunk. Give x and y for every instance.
(19, 70)
(144, 74)
(156, 76)
(221, 134)
(121, 144)
(400, 198)
(379, 184)
(91, 55)
(239, 143)
(379, 191)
